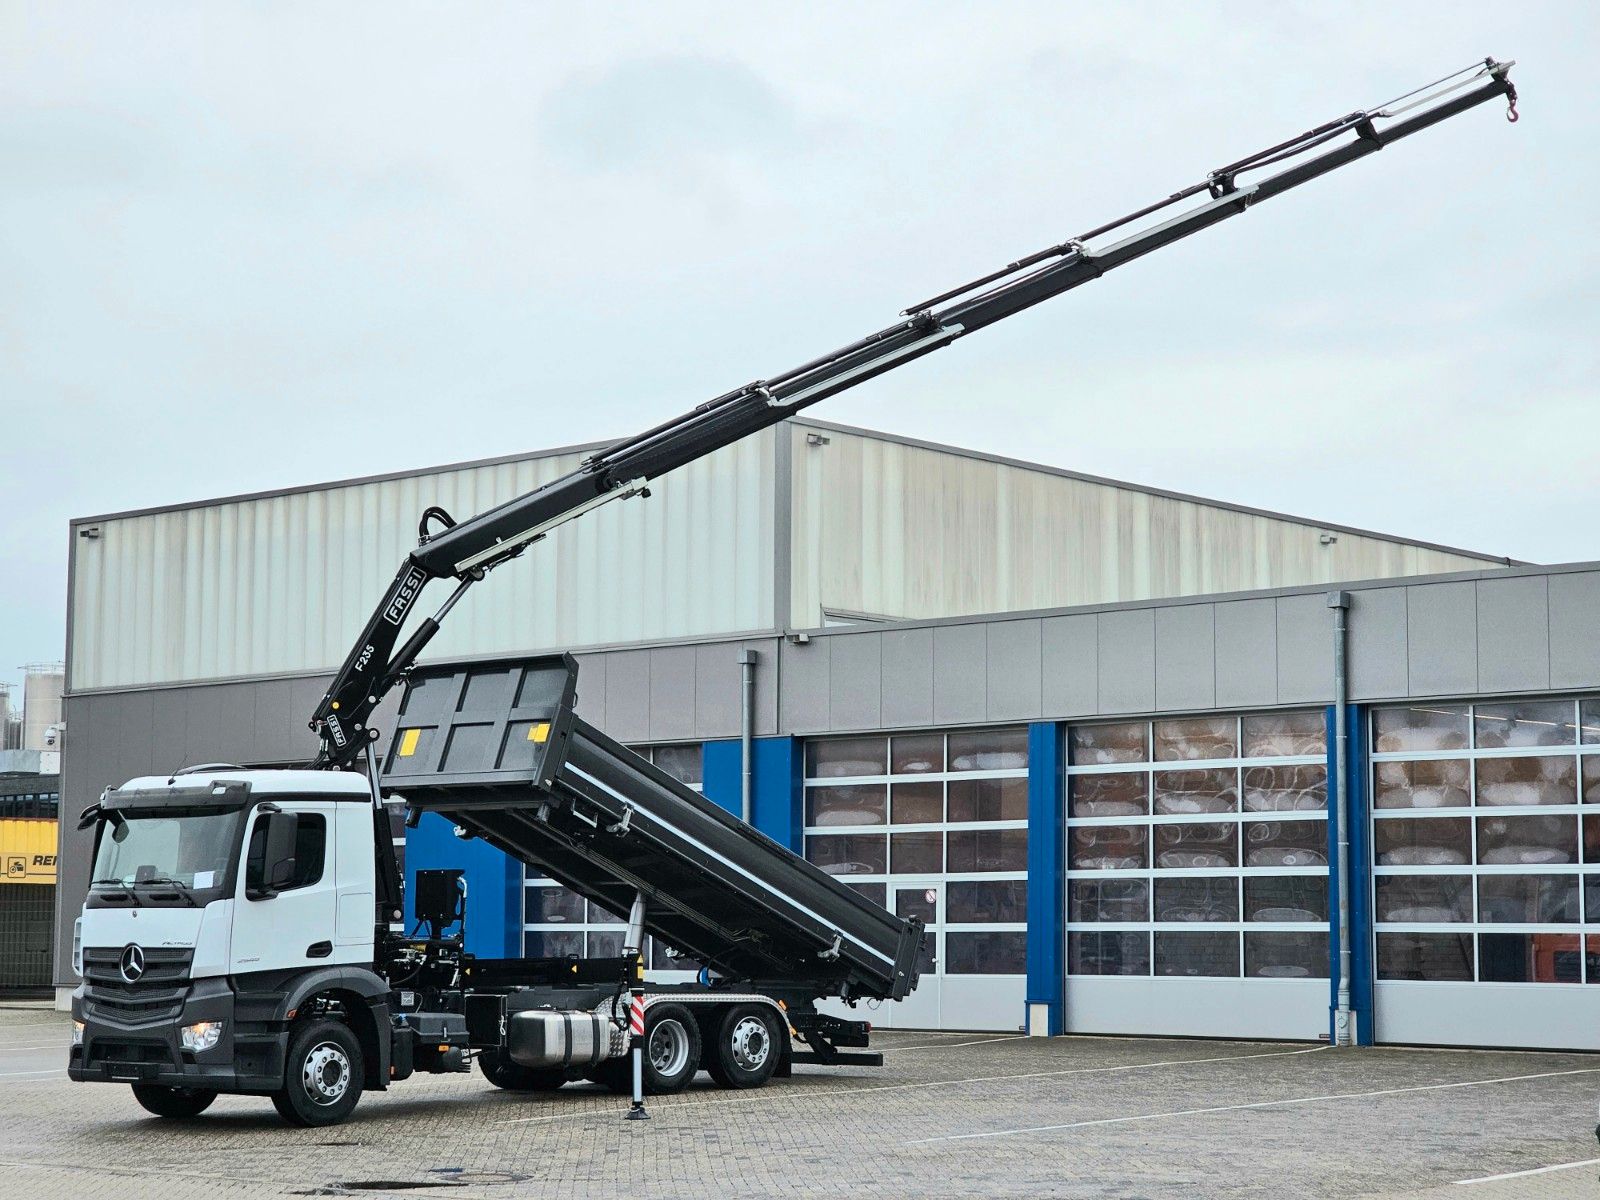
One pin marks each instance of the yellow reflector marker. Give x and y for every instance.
(408, 742)
(539, 732)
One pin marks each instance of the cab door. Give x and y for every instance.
(295, 926)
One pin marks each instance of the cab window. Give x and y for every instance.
(310, 849)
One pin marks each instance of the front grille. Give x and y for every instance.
(162, 965)
(132, 1005)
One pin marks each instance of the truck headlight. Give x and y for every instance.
(202, 1035)
(77, 1033)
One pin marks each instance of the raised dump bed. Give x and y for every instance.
(497, 749)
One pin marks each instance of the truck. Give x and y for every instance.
(243, 929)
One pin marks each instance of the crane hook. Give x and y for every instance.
(1511, 104)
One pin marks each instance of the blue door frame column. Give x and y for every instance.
(1355, 773)
(777, 770)
(1046, 1007)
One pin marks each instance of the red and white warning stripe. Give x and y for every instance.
(636, 1016)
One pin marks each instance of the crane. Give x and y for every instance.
(467, 550)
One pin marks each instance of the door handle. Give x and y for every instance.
(319, 949)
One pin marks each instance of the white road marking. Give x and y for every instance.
(1010, 1037)
(61, 1045)
(1195, 1112)
(831, 1093)
(16, 1074)
(1588, 1162)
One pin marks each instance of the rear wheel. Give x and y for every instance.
(671, 1054)
(747, 1047)
(322, 1075)
(514, 1077)
(671, 1049)
(174, 1102)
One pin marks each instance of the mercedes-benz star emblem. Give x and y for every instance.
(132, 963)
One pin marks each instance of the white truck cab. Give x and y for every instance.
(217, 900)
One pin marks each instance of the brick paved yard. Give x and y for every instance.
(950, 1114)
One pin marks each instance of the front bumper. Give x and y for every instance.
(132, 1036)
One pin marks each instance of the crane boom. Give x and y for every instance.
(468, 550)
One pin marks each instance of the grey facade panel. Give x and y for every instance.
(1127, 661)
(1186, 656)
(628, 695)
(672, 693)
(1305, 649)
(1377, 644)
(718, 682)
(855, 682)
(768, 681)
(1013, 669)
(1513, 634)
(274, 713)
(1070, 654)
(592, 670)
(1442, 638)
(1575, 630)
(804, 706)
(1246, 652)
(960, 681)
(907, 678)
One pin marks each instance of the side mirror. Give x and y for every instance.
(273, 871)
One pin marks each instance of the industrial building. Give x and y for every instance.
(1082, 728)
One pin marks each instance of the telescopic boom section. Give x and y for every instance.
(466, 551)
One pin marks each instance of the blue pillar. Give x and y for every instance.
(1046, 881)
(1361, 968)
(776, 793)
(1355, 773)
(494, 885)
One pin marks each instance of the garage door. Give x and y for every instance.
(934, 825)
(1486, 876)
(1197, 876)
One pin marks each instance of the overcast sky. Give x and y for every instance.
(244, 246)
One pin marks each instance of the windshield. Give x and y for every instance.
(192, 847)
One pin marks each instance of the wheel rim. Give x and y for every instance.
(668, 1047)
(326, 1073)
(752, 1042)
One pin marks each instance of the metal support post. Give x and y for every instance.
(747, 707)
(1343, 1032)
(636, 1110)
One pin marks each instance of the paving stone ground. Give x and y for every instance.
(948, 1115)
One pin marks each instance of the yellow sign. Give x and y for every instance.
(539, 732)
(27, 851)
(408, 742)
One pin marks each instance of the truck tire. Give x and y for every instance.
(322, 1075)
(514, 1077)
(671, 1054)
(174, 1102)
(671, 1049)
(746, 1047)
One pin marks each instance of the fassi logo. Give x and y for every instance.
(401, 604)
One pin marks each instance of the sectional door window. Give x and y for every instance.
(1198, 847)
(1486, 842)
(942, 820)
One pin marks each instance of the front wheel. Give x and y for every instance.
(173, 1102)
(747, 1047)
(322, 1075)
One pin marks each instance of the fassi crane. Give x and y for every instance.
(465, 551)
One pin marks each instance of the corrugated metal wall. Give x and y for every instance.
(943, 534)
(283, 583)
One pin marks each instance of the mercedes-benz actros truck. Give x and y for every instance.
(242, 928)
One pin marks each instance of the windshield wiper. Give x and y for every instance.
(180, 889)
